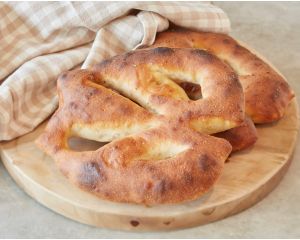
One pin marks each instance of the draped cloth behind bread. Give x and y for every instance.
(39, 40)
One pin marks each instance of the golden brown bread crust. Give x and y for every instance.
(152, 157)
(267, 94)
(148, 77)
(241, 137)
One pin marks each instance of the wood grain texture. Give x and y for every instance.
(248, 177)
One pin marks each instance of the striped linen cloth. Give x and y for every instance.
(40, 40)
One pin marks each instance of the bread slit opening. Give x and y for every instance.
(80, 144)
(192, 90)
(117, 91)
(185, 81)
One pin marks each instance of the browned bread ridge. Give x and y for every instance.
(267, 94)
(241, 137)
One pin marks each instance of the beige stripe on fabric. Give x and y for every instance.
(40, 40)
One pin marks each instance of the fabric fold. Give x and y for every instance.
(40, 40)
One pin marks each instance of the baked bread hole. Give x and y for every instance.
(107, 133)
(109, 86)
(192, 90)
(183, 80)
(164, 151)
(80, 144)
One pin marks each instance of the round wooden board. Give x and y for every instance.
(248, 177)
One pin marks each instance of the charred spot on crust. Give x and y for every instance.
(90, 77)
(237, 49)
(237, 46)
(73, 105)
(275, 94)
(151, 168)
(90, 173)
(233, 86)
(226, 41)
(257, 64)
(188, 114)
(167, 223)
(234, 78)
(148, 185)
(234, 81)
(175, 129)
(126, 110)
(158, 182)
(231, 136)
(154, 172)
(160, 187)
(203, 54)
(107, 194)
(123, 64)
(205, 162)
(180, 120)
(91, 92)
(163, 51)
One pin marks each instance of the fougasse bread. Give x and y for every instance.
(159, 150)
